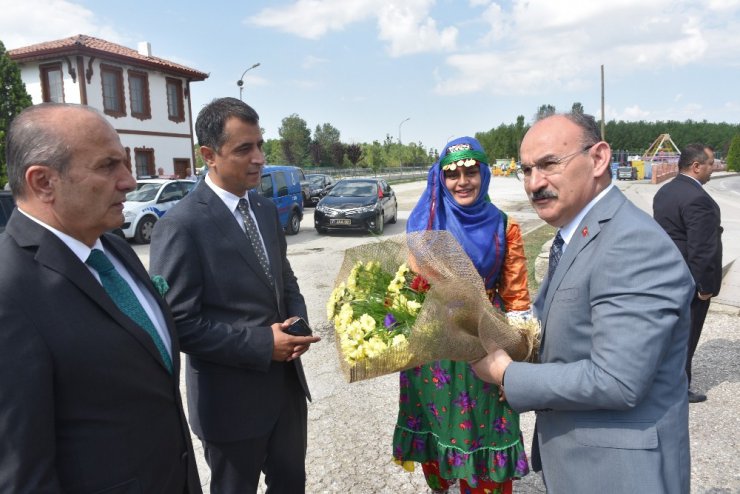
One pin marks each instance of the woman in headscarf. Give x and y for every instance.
(450, 421)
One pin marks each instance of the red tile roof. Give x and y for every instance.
(90, 46)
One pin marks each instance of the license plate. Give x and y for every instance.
(340, 222)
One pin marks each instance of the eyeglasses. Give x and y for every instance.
(551, 165)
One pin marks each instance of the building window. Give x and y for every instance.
(144, 158)
(52, 83)
(175, 106)
(113, 100)
(138, 89)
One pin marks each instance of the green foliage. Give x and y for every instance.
(544, 111)
(325, 150)
(273, 150)
(13, 99)
(637, 136)
(577, 108)
(295, 139)
(733, 155)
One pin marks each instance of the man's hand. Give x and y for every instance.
(288, 347)
(704, 296)
(491, 367)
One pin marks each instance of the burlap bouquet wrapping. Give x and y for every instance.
(456, 320)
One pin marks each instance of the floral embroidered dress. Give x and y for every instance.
(449, 420)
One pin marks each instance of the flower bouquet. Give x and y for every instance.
(416, 298)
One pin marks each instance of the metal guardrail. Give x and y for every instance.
(390, 174)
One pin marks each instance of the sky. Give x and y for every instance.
(425, 71)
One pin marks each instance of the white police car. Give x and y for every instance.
(149, 202)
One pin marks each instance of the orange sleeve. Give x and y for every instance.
(513, 282)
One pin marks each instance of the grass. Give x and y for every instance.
(533, 242)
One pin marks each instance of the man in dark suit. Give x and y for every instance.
(692, 219)
(609, 391)
(233, 292)
(89, 398)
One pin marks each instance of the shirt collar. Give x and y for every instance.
(78, 248)
(227, 197)
(569, 228)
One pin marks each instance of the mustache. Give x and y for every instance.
(542, 194)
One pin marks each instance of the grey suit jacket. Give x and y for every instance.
(86, 402)
(223, 306)
(611, 391)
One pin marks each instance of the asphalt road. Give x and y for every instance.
(350, 426)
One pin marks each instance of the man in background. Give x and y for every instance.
(691, 218)
(89, 360)
(233, 292)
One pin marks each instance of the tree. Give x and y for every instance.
(326, 136)
(295, 140)
(13, 99)
(733, 155)
(354, 153)
(577, 108)
(544, 111)
(273, 150)
(336, 153)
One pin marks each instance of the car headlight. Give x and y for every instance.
(365, 209)
(129, 215)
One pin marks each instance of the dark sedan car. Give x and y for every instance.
(364, 204)
(320, 184)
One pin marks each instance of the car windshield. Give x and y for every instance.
(316, 179)
(144, 192)
(354, 189)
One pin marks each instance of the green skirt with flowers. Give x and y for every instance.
(450, 416)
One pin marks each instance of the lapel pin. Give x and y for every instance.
(584, 232)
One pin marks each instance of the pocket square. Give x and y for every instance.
(160, 284)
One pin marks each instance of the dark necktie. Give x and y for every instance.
(125, 299)
(254, 237)
(556, 250)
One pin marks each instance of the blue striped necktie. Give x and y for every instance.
(125, 299)
(556, 250)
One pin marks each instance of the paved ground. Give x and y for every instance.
(351, 425)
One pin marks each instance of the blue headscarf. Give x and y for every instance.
(479, 228)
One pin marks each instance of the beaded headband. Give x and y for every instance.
(464, 157)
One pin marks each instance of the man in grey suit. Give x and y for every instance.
(610, 391)
(233, 292)
(692, 219)
(89, 375)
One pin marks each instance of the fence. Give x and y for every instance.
(390, 174)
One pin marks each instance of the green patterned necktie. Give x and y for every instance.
(125, 299)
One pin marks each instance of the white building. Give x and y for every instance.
(145, 98)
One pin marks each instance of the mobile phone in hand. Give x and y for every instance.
(299, 327)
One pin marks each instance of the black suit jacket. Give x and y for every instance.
(223, 306)
(692, 219)
(86, 403)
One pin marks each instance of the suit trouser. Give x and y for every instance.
(280, 454)
(699, 310)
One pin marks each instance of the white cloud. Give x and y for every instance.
(310, 62)
(408, 29)
(312, 19)
(404, 25)
(35, 21)
(541, 47)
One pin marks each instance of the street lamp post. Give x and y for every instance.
(240, 82)
(399, 128)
